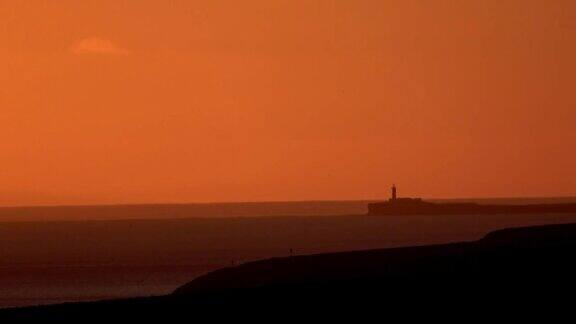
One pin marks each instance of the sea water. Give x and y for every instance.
(61, 261)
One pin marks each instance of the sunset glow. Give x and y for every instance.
(148, 101)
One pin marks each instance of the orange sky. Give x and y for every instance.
(126, 101)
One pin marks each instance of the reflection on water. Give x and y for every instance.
(20, 286)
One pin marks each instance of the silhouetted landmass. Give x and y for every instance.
(417, 206)
(481, 259)
(53, 262)
(507, 268)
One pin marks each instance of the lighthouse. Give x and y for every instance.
(394, 195)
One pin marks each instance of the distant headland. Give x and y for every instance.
(417, 206)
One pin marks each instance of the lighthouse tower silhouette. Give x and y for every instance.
(394, 192)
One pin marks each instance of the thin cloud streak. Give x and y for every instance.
(97, 45)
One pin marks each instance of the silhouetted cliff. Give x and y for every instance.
(496, 257)
(511, 267)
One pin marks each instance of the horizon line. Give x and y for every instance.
(120, 204)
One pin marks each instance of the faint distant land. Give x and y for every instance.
(417, 206)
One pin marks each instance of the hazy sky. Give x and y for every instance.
(115, 101)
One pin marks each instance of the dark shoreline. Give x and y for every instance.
(510, 262)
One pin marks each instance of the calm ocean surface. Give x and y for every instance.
(67, 260)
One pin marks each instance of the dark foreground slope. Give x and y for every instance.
(531, 267)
